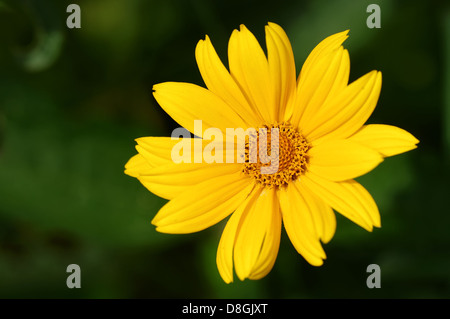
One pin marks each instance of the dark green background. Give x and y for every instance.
(72, 101)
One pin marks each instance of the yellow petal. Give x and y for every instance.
(300, 215)
(324, 74)
(281, 69)
(224, 257)
(136, 165)
(270, 246)
(161, 151)
(328, 221)
(171, 180)
(186, 102)
(345, 114)
(203, 205)
(257, 241)
(156, 150)
(348, 198)
(250, 69)
(324, 217)
(219, 81)
(341, 160)
(167, 175)
(386, 139)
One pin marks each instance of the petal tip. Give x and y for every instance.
(129, 173)
(227, 278)
(343, 35)
(199, 46)
(272, 25)
(317, 263)
(242, 27)
(155, 220)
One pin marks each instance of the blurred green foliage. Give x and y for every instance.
(73, 100)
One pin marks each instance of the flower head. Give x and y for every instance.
(321, 145)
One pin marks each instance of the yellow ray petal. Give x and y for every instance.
(341, 160)
(250, 69)
(343, 115)
(161, 151)
(203, 205)
(257, 241)
(171, 180)
(224, 256)
(281, 69)
(324, 73)
(219, 81)
(324, 217)
(156, 150)
(349, 198)
(300, 216)
(186, 102)
(136, 165)
(269, 250)
(386, 139)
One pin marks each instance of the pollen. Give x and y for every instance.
(288, 158)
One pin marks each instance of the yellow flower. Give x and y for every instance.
(323, 145)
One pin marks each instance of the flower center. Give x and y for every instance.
(275, 165)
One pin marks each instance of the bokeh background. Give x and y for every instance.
(72, 101)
